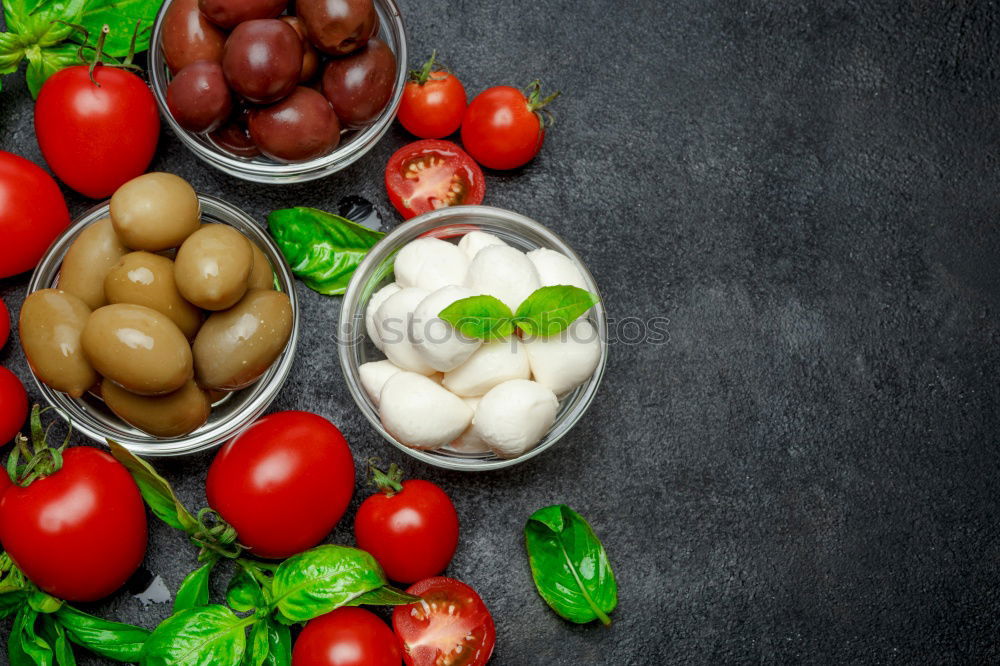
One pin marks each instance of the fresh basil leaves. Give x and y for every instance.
(546, 312)
(480, 317)
(206, 635)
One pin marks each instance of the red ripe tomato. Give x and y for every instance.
(96, 137)
(80, 532)
(283, 483)
(450, 627)
(427, 175)
(13, 406)
(4, 323)
(346, 637)
(32, 213)
(433, 103)
(411, 527)
(503, 128)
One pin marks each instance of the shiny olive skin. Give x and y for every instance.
(338, 27)
(155, 211)
(310, 58)
(138, 348)
(172, 415)
(262, 60)
(235, 347)
(234, 136)
(199, 98)
(147, 279)
(50, 326)
(229, 13)
(94, 252)
(300, 127)
(189, 37)
(261, 275)
(213, 266)
(360, 85)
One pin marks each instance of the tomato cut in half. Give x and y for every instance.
(450, 627)
(430, 174)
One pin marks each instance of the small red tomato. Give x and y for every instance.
(13, 406)
(4, 323)
(450, 626)
(346, 637)
(96, 137)
(32, 214)
(503, 128)
(430, 174)
(433, 102)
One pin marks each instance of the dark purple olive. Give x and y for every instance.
(234, 136)
(188, 36)
(198, 97)
(310, 59)
(300, 127)
(230, 13)
(338, 27)
(360, 85)
(263, 59)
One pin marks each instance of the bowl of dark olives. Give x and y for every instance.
(274, 91)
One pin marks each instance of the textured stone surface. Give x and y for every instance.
(807, 470)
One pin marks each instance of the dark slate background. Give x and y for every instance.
(807, 470)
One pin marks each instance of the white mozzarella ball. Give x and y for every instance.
(493, 363)
(430, 263)
(438, 342)
(392, 324)
(420, 413)
(474, 241)
(470, 441)
(556, 268)
(504, 272)
(514, 416)
(563, 361)
(374, 303)
(374, 375)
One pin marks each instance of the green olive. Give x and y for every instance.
(212, 267)
(155, 211)
(171, 415)
(147, 279)
(50, 326)
(261, 275)
(88, 260)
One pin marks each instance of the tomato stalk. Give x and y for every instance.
(390, 482)
(538, 104)
(422, 75)
(215, 535)
(41, 460)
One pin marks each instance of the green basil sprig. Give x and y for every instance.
(546, 312)
(569, 565)
(480, 317)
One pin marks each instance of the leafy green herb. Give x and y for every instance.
(193, 591)
(569, 565)
(387, 595)
(155, 490)
(207, 635)
(122, 17)
(113, 640)
(323, 249)
(322, 579)
(481, 317)
(244, 593)
(550, 310)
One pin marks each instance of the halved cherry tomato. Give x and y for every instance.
(427, 175)
(433, 102)
(450, 627)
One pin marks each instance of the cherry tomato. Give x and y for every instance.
(96, 137)
(503, 128)
(283, 483)
(346, 637)
(80, 532)
(450, 627)
(433, 102)
(32, 213)
(411, 527)
(4, 323)
(13, 406)
(427, 175)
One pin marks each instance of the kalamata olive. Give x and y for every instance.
(50, 326)
(138, 348)
(171, 415)
(310, 59)
(198, 97)
(263, 59)
(189, 37)
(300, 127)
(234, 136)
(235, 347)
(147, 279)
(213, 266)
(229, 13)
(338, 27)
(261, 275)
(155, 211)
(360, 85)
(88, 261)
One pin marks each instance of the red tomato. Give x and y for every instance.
(504, 129)
(96, 137)
(427, 175)
(79, 533)
(13, 406)
(32, 213)
(450, 627)
(283, 483)
(4, 323)
(346, 637)
(433, 103)
(410, 528)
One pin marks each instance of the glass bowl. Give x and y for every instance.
(353, 143)
(237, 410)
(376, 271)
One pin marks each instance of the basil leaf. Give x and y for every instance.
(193, 591)
(44, 603)
(121, 16)
(25, 647)
(155, 490)
(569, 565)
(206, 636)
(113, 640)
(244, 593)
(11, 601)
(15, 13)
(11, 52)
(279, 645)
(43, 63)
(323, 249)
(258, 647)
(550, 310)
(480, 317)
(387, 595)
(53, 634)
(320, 580)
